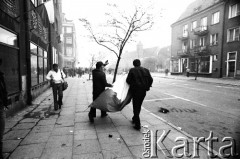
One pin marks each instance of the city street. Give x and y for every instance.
(197, 107)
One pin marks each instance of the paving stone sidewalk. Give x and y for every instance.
(39, 132)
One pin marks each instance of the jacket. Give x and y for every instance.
(3, 91)
(139, 78)
(99, 82)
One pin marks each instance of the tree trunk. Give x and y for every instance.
(116, 69)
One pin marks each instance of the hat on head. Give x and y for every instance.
(99, 64)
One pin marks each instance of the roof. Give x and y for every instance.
(197, 6)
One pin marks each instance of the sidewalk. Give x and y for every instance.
(219, 81)
(40, 132)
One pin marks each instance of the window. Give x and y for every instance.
(192, 43)
(215, 17)
(55, 57)
(10, 68)
(45, 65)
(215, 57)
(68, 29)
(68, 51)
(232, 56)
(234, 10)
(38, 64)
(69, 40)
(213, 39)
(203, 24)
(204, 64)
(8, 37)
(233, 34)
(34, 65)
(202, 41)
(194, 25)
(185, 30)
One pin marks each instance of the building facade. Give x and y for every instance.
(199, 40)
(69, 46)
(25, 49)
(231, 44)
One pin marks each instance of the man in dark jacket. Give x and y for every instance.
(140, 81)
(99, 84)
(3, 104)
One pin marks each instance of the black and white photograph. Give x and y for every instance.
(119, 79)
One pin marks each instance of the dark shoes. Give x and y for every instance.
(91, 118)
(60, 104)
(137, 127)
(104, 115)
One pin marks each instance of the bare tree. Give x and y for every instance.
(94, 58)
(121, 27)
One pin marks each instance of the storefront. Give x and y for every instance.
(39, 44)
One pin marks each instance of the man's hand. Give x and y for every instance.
(106, 62)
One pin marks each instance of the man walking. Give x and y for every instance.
(99, 84)
(57, 76)
(140, 81)
(3, 104)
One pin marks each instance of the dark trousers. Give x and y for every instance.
(92, 111)
(138, 96)
(2, 127)
(57, 94)
(188, 74)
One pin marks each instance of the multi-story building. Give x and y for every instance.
(231, 44)
(200, 37)
(26, 48)
(69, 43)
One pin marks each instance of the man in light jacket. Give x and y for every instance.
(56, 76)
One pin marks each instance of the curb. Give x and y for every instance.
(218, 83)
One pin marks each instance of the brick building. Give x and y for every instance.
(200, 40)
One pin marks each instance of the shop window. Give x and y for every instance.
(34, 71)
(45, 66)
(175, 66)
(10, 68)
(204, 64)
(38, 64)
(8, 37)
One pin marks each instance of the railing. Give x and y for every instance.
(184, 36)
(201, 30)
(183, 52)
(200, 50)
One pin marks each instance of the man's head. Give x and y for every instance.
(136, 63)
(55, 67)
(100, 65)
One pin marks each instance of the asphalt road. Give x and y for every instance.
(197, 107)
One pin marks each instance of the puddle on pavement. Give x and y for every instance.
(43, 113)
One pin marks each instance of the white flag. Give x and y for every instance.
(50, 10)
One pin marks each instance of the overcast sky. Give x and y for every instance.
(167, 12)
